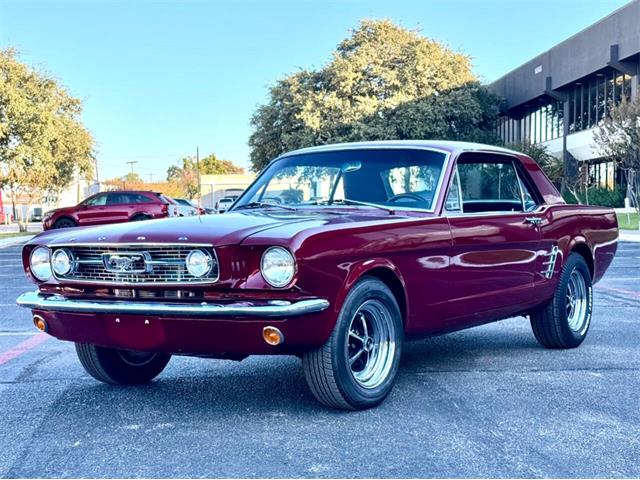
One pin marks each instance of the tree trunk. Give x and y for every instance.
(575, 194)
(13, 205)
(25, 220)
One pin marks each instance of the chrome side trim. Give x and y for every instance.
(58, 303)
(550, 264)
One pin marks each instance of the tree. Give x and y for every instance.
(383, 82)
(618, 138)
(131, 177)
(43, 145)
(551, 165)
(171, 189)
(187, 174)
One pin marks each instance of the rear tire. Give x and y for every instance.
(64, 223)
(120, 367)
(357, 366)
(564, 321)
(140, 217)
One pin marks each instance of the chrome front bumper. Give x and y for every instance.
(277, 308)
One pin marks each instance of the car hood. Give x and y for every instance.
(227, 229)
(58, 210)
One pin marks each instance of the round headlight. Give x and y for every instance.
(40, 264)
(278, 266)
(199, 263)
(61, 261)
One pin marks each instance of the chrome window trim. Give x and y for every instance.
(511, 158)
(453, 179)
(497, 213)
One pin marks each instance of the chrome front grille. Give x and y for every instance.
(150, 264)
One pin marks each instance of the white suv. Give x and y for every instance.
(224, 203)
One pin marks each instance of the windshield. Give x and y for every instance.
(396, 178)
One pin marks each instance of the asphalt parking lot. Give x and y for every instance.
(486, 402)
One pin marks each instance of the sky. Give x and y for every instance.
(160, 78)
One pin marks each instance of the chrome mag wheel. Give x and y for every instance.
(371, 344)
(577, 299)
(135, 359)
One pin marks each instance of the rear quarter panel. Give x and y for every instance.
(573, 227)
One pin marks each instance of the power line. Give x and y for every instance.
(131, 163)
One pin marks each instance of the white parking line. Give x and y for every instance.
(18, 334)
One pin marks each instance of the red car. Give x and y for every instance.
(111, 207)
(338, 254)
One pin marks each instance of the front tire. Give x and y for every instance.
(120, 367)
(64, 222)
(357, 366)
(564, 321)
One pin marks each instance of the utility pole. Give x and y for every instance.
(151, 178)
(95, 161)
(131, 163)
(198, 169)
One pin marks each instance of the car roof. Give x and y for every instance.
(443, 145)
(129, 191)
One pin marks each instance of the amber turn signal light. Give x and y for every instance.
(272, 335)
(40, 323)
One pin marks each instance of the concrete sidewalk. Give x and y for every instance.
(629, 236)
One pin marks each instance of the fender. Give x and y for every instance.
(566, 245)
(359, 269)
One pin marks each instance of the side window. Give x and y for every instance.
(453, 202)
(97, 201)
(490, 187)
(118, 198)
(138, 198)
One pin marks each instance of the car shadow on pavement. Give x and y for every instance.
(479, 348)
(214, 388)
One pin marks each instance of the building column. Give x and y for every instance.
(569, 162)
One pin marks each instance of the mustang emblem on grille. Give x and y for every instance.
(124, 262)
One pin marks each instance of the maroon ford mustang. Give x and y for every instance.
(337, 254)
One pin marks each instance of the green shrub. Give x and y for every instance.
(598, 196)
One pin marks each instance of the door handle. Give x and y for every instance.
(535, 221)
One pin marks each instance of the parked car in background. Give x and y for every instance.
(111, 207)
(36, 215)
(185, 207)
(402, 240)
(225, 203)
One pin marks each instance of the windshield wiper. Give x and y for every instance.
(348, 201)
(264, 204)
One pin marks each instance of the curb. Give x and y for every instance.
(11, 241)
(629, 236)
